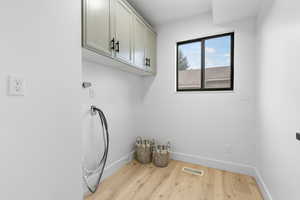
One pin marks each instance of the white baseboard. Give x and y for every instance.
(227, 166)
(115, 166)
(263, 187)
(109, 170)
(213, 163)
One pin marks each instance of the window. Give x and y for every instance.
(205, 64)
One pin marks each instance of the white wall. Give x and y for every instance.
(203, 123)
(279, 97)
(40, 133)
(118, 94)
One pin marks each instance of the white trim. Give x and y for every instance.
(115, 166)
(227, 166)
(213, 163)
(262, 185)
(109, 170)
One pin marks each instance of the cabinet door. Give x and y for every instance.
(139, 43)
(123, 31)
(151, 50)
(96, 25)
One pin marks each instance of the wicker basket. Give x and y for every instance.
(161, 155)
(144, 150)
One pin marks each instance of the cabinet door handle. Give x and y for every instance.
(117, 47)
(146, 61)
(112, 44)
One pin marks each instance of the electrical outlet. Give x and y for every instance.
(16, 86)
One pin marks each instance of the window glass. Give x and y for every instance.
(218, 62)
(189, 65)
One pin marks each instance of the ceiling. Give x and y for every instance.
(162, 11)
(225, 11)
(159, 12)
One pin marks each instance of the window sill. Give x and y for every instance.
(205, 92)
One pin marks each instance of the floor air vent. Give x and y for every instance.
(193, 171)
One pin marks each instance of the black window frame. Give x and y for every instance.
(202, 40)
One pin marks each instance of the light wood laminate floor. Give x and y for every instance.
(146, 182)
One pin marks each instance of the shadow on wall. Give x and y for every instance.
(147, 83)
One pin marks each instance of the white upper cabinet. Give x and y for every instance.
(139, 43)
(151, 50)
(114, 32)
(123, 31)
(96, 25)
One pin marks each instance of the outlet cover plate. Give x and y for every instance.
(16, 86)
